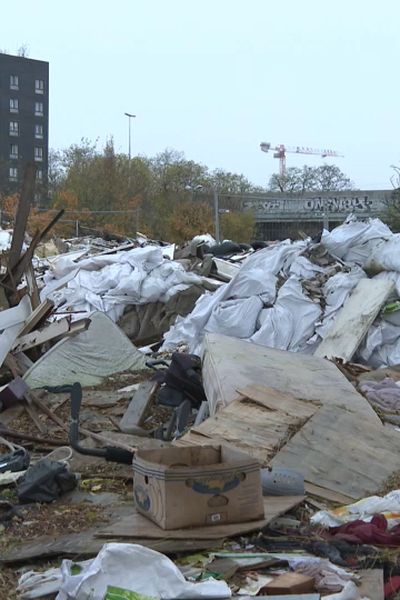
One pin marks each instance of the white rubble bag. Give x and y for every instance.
(236, 318)
(291, 321)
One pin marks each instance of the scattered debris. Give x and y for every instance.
(245, 436)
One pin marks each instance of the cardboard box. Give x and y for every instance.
(196, 486)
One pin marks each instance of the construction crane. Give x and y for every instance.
(281, 150)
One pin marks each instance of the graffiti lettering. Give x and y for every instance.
(316, 204)
(337, 204)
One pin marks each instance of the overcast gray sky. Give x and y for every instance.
(214, 78)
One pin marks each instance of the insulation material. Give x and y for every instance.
(89, 357)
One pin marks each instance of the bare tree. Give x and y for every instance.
(325, 178)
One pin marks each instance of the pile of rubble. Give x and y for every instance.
(160, 401)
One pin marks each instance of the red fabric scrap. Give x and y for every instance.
(376, 532)
(392, 586)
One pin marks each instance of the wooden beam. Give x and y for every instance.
(51, 331)
(40, 313)
(32, 286)
(134, 415)
(24, 207)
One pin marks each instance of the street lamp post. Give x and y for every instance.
(130, 116)
(129, 129)
(216, 215)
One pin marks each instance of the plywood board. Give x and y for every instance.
(343, 450)
(137, 526)
(230, 364)
(259, 423)
(340, 452)
(355, 318)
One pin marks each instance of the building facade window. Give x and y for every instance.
(39, 86)
(13, 173)
(14, 128)
(14, 105)
(14, 82)
(39, 175)
(38, 153)
(38, 109)
(14, 151)
(39, 132)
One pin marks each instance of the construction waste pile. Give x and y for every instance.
(209, 421)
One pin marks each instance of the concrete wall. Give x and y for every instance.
(314, 206)
(279, 215)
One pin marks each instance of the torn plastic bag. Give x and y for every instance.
(365, 509)
(46, 481)
(138, 569)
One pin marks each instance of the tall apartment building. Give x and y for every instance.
(24, 121)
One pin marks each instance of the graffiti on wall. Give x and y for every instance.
(338, 204)
(316, 204)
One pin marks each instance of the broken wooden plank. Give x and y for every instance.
(259, 423)
(276, 400)
(52, 331)
(33, 415)
(24, 206)
(12, 278)
(342, 452)
(320, 492)
(40, 313)
(32, 286)
(138, 406)
(354, 319)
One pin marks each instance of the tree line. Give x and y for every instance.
(165, 197)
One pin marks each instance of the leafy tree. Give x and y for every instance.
(189, 219)
(151, 195)
(325, 178)
(238, 226)
(392, 210)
